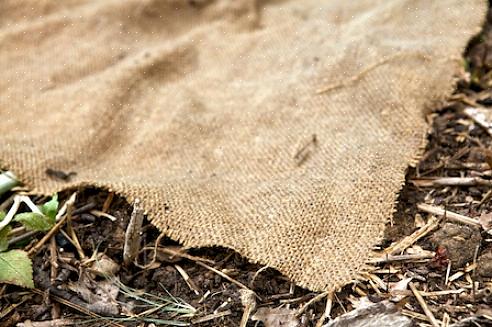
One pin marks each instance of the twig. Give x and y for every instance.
(402, 257)
(187, 279)
(431, 224)
(107, 202)
(55, 309)
(442, 293)
(327, 312)
(315, 299)
(22, 237)
(474, 272)
(248, 300)
(103, 214)
(73, 235)
(451, 181)
(8, 202)
(423, 305)
(448, 214)
(86, 207)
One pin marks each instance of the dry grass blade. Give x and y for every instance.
(223, 275)
(424, 306)
(211, 317)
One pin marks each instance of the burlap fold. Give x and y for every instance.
(280, 129)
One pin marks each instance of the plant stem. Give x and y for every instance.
(7, 182)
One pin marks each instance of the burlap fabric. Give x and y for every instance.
(280, 129)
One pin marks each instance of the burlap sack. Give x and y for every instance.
(280, 129)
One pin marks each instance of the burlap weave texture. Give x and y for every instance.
(281, 129)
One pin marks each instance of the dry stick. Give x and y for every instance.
(53, 230)
(451, 181)
(326, 314)
(46, 237)
(8, 202)
(474, 272)
(315, 299)
(423, 305)
(22, 237)
(98, 213)
(187, 279)
(407, 241)
(442, 293)
(248, 300)
(73, 235)
(402, 257)
(485, 197)
(448, 214)
(55, 310)
(107, 202)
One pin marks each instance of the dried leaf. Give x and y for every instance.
(104, 266)
(370, 314)
(16, 268)
(486, 222)
(276, 317)
(99, 296)
(34, 221)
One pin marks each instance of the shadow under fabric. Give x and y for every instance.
(280, 129)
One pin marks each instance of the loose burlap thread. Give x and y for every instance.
(280, 129)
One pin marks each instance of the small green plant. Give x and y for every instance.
(15, 264)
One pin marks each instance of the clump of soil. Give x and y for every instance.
(460, 243)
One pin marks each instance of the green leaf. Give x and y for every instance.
(34, 221)
(50, 208)
(4, 241)
(2, 215)
(16, 268)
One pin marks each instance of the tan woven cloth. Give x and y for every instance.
(280, 129)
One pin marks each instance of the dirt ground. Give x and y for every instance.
(450, 263)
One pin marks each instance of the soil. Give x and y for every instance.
(457, 147)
